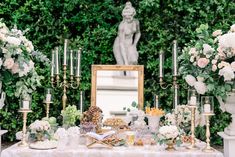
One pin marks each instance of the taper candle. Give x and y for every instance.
(52, 62)
(78, 62)
(65, 50)
(57, 60)
(175, 66)
(81, 101)
(161, 58)
(71, 62)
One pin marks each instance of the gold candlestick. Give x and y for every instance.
(193, 145)
(208, 148)
(48, 108)
(23, 142)
(55, 78)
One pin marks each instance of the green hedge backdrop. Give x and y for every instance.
(92, 24)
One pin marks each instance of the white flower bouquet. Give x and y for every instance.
(169, 133)
(182, 118)
(39, 130)
(16, 60)
(208, 63)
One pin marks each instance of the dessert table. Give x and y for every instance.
(83, 151)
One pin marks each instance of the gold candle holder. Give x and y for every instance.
(208, 148)
(23, 142)
(48, 108)
(193, 141)
(55, 78)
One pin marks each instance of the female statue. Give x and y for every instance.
(124, 47)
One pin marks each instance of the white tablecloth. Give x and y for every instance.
(83, 151)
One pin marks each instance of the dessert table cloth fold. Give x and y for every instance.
(83, 151)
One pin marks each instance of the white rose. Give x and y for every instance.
(192, 59)
(232, 28)
(227, 40)
(214, 61)
(200, 87)
(207, 49)
(13, 41)
(190, 80)
(193, 51)
(227, 73)
(232, 65)
(217, 33)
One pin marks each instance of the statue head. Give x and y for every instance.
(128, 12)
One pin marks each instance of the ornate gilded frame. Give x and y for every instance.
(139, 68)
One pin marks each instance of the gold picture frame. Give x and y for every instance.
(139, 68)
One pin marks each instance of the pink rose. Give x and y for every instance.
(8, 64)
(15, 68)
(202, 62)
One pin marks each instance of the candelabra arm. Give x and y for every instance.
(76, 84)
(163, 84)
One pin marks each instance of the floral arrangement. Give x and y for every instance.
(182, 118)
(16, 54)
(70, 115)
(169, 133)
(208, 64)
(39, 130)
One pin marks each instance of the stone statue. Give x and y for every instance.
(124, 47)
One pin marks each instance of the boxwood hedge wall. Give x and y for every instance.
(92, 25)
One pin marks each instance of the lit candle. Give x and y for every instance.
(65, 50)
(57, 61)
(193, 100)
(175, 66)
(78, 62)
(48, 97)
(25, 105)
(207, 108)
(52, 62)
(161, 64)
(71, 62)
(81, 101)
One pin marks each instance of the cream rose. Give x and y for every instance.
(217, 33)
(233, 65)
(227, 73)
(15, 68)
(8, 63)
(200, 87)
(214, 67)
(190, 80)
(232, 28)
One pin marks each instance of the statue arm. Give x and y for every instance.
(137, 34)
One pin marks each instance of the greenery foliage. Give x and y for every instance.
(92, 24)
